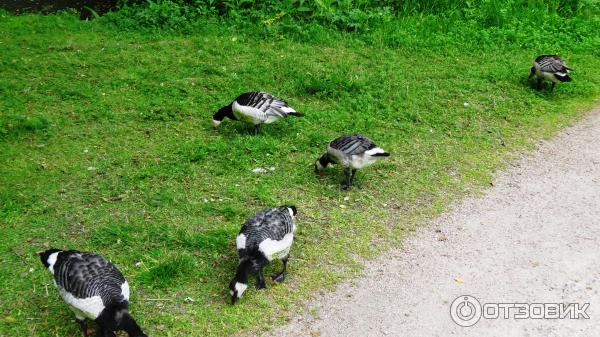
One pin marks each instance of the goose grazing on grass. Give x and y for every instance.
(257, 108)
(94, 288)
(550, 67)
(265, 237)
(353, 152)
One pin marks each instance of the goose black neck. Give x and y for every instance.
(324, 160)
(243, 271)
(225, 111)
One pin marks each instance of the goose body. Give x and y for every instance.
(93, 288)
(551, 68)
(256, 108)
(266, 236)
(353, 152)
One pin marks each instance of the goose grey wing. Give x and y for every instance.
(271, 224)
(352, 144)
(85, 275)
(279, 222)
(552, 64)
(253, 231)
(277, 107)
(266, 103)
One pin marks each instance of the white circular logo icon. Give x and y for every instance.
(465, 310)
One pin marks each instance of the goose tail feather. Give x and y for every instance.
(563, 77)
(381, 154)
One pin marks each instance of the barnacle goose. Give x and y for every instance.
(266, 236)
(353, 152)
(94, 288)
(550, 67)
(256, 108)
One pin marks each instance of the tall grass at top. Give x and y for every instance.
(290, 18)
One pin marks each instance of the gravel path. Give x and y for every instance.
(532, 238)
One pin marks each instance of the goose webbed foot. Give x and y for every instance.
(278, 277)
(281, 276)
(257, 129)
(85, 331)
(260, 283)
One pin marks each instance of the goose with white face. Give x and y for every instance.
(256, 108)
(550, 68)
(352, 152)
(265, 237)
(93, 288)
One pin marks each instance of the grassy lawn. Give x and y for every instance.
(106, 145)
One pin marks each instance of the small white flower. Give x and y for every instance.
(259, 170)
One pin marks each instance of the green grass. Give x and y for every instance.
(106, 145)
